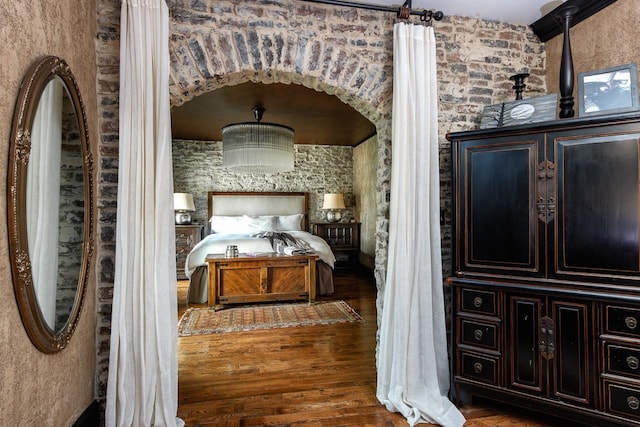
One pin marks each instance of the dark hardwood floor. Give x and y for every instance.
(303, 376)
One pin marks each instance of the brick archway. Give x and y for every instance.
(342, 52)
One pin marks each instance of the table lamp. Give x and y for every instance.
(333, 203)
(183, 205)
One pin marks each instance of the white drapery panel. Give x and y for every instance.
(413, 369)
(143, 368)
(43, 198)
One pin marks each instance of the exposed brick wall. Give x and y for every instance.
(71, 210)
(345, 52)
(107, 87)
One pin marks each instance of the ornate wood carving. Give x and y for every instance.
(547, 340)
(546, 199)
(23, 145)
(48, 339)
(566, 65)
(548, 26)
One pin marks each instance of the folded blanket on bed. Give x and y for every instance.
(285, 243)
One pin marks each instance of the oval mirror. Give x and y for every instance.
(49, 201)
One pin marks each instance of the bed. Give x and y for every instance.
(235, 218)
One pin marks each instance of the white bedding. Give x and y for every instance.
(217, 244)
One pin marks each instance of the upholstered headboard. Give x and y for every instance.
(256, 203)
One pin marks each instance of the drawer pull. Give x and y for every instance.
(631, 322)
(477, 367)
(478, 334)
(633, 362)
(477, 302)
(633, 402)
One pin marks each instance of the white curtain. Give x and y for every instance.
(143, 367)
(413, 369)
(43, 198)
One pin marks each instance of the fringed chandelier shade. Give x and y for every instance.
(257, 147)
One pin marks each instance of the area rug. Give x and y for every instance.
(203, 321)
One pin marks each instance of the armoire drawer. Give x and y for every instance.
(622, 360)
(622, 399)
(479, 302)
(622, 320)
(479, 367)
(477, 333)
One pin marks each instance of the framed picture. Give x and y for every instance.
(607, 91)
(520, 112)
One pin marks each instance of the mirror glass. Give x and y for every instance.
(50, 204)
(55, 204)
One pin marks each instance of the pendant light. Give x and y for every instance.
(257, 147)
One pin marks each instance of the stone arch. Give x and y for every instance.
(196, 68)
(290, 42)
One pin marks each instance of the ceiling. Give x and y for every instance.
(513, 11)
(316, 117)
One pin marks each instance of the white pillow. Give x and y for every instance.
(257, 224)
(290, 222)
(229, 224)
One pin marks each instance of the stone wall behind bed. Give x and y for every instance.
(319, 169)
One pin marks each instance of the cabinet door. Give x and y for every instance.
(550, 350)
(596, 232)
(496, 206)
(524, 356)
(572, 356)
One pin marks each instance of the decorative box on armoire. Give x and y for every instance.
(186, 238)
(546, 269)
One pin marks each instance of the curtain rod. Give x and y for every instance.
(403, 11)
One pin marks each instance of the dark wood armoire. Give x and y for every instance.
(546, 267)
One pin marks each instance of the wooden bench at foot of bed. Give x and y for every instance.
(260, 277)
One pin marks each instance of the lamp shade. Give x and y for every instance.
(258, 147)
(183, 202)
(333, 201)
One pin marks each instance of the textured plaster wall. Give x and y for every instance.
(609, 38)
(364, 188)
(37, 389)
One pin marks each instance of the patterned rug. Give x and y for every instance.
(203, 321)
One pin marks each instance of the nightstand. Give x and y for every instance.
(186, 238)
(344, 240)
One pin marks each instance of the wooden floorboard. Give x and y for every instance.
(301, 376)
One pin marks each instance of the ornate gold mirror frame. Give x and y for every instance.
(48, 337)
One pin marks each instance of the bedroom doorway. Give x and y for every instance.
(289, 45)
(302, 360)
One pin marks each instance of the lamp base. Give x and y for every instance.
(183, 218)
(334, 216)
